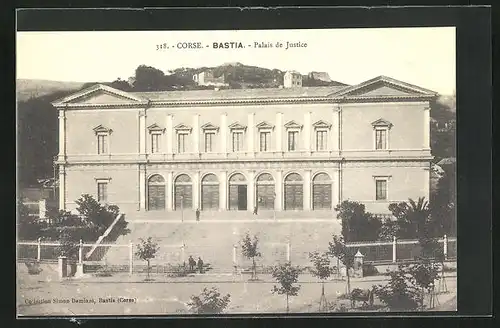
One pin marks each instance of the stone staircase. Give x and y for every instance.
(213, 237)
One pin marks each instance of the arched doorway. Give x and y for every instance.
(322, 192)
(265, 191)
(183, 192)
(156, 193)
(294, 192)
(209, 192)
(238, 192)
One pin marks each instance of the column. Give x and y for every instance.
(335, 138)
(427, 127)
(142, 132)
(251, 191)
(223, 133)
(170, 134)
(142, 187)
(279, 129)
(196, 133)
(307, 190)
(307, 131)
(62, 135)
(62, 187)
(223, 191)
(196, 190)
(251, 135)
(170, 191)
(279, 191)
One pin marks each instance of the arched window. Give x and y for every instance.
(156, 192)
(265, 191)
(322, 192)
(210, 192)
(238, 192)
(183, 192)
(294, 192)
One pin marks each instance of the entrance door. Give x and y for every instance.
(156, 193)
(242, 198)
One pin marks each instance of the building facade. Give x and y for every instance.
(299, 149)
(292, 79)
(207, 78)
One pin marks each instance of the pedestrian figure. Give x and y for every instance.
(255, 210)
(192, 263)
(200, 265)
(197, 214)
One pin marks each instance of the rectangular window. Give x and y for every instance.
(265, 139)
(293, 138)
(321, 140)
(102, 191)
(155, 143)
(209, 137)
(102, 144)
(181, 143)
(237, 141)
(381, 189)
(380, 139)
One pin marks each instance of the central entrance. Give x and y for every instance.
(237, 192)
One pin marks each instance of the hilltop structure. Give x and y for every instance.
(292, 79)
(290, 149)
(206, 78)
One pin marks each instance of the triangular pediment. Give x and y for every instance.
(102, 129)
(382, 123)
(264, 125)
(383, 86)
(293, 125)
(98, 94)
(209, 126)
(182, 127)
(237, 126)
(322, 124)
(155, 128)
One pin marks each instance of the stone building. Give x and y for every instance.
(281, 149)
(207, 78)
(292, 79)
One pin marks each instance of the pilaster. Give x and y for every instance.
(170, 191)
(307, 131)
(170, 134)
(251, 191)
(279, 131)
(223, 133)
(62, 187)
(307, 190)
(223, 191)
(335, 136)
(142, 132)
(196, 133)
(142, 187)
(251, 133)
(62, 135)
(427, 128)
(196, 190)
(278, 202)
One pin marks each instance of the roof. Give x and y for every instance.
(238, 93)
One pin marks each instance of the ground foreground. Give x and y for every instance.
(44, 294)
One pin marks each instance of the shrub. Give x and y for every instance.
(369, 270)
(209, 302)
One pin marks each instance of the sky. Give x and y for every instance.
(420, 56)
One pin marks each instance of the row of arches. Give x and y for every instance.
(265, 194)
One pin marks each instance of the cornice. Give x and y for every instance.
(242, 102)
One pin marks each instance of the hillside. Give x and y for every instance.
(26, 89)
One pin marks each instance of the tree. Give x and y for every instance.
(442, 203)
(148, 78)
(357, 224)
(400, 293)
(209, 302)
(28, 227)
(121, 85)
(338, 249)
(423, 275)
(411, 218)
(250, 250)
(286, 275)
(322, 270)
(146, 251)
